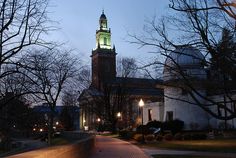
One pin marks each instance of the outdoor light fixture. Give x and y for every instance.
(98, 119)
(141, 105)
(118, 114)
(57, 123)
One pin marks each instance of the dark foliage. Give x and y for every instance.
(174, 126)
(126, 134)
(66, 119)
(143, 128)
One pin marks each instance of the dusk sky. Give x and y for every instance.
(78, 20)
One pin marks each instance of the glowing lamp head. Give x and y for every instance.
(141, 103)
(118, 114)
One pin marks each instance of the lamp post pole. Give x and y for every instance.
(141, 104)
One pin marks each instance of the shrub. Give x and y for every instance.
(199, 136)
(168, 137)
(178, 136)
(187, 137)
(149, 137)
(155, 124)
(138, 137)
(174, 126)
(144, 128)
(126, 134)
(159, 137)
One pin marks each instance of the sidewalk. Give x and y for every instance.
(107, 147)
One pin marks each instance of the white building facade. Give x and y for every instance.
(184, 84)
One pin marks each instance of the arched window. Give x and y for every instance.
(105, 41)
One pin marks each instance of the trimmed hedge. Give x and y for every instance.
(126, 134)
(178, 136)
(168, 137)
(159, 137)
(138, 137)
(149, 137)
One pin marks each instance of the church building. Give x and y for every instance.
(122, 93)
(115, 100)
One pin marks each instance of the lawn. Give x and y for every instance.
(180, 156)
(198, 145)
(60, 141)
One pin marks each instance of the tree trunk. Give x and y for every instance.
(50, 129)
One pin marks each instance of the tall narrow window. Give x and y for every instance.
(105, 41)
(169, 116)
(149, 114)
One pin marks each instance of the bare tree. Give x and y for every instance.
(126, 67)
(49, 71)
(23, 23)
(198, 24)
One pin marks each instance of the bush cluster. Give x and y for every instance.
(149, 137)
(138, 137)
(168, 137)
(126, 134)
(174, 126)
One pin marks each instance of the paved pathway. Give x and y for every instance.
(107, 147)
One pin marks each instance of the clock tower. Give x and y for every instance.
(103, 56)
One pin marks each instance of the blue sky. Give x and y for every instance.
(78, 20)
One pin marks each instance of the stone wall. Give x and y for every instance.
(79, 149)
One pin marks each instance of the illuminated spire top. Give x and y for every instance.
(103, 21)
(103, 34)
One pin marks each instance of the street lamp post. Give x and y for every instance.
(141, 104)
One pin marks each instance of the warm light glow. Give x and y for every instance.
(98, 119)
(54, 127)
(84, 121)
(118, 114)
(34, 129)
(141, 103)
(41, 130)
(57, 123)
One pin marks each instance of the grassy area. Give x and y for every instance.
(198, 145)
(181, 156)
(59, 141)
(110, 135)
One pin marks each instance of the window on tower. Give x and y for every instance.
(105, 41)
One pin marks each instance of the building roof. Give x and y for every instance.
(58, 109)
(103, 16)
(185, 56)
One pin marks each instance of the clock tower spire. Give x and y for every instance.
(103, 56)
